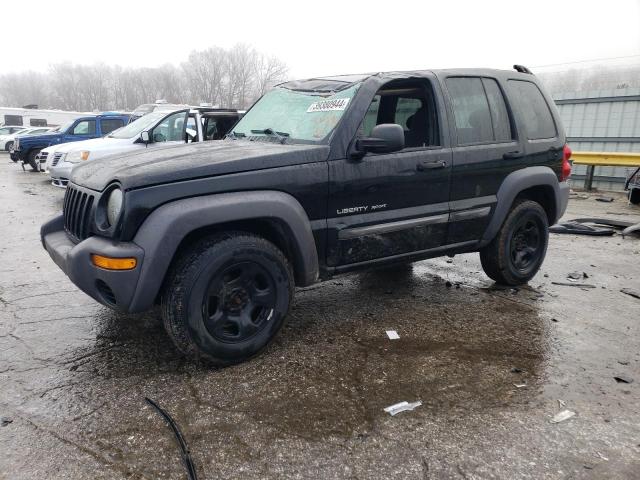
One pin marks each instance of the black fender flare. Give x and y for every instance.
(516, 182)
(166, 227)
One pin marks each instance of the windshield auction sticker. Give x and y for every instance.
(328, 105)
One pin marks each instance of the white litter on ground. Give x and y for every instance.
(393, 335)
(401, 407)
(562, 416)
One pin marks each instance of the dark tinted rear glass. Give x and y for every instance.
(533, 109)
(110, 124)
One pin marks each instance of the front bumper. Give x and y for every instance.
(112, 288)
(60, 174)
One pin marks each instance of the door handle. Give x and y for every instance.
(511, 155)
(422, 166)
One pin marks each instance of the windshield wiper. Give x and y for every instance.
(282, 136)
(235, 135)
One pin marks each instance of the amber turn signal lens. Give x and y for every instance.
(109, 263)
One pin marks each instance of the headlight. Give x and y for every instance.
(77, 156)
(73, 157)
(114, 206)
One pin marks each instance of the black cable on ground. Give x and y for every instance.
(186, 455)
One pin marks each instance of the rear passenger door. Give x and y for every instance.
(108, 125)
(485, 150)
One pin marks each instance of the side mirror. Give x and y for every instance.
(144, 136)
(385, 138)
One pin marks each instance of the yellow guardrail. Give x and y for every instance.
(603, 159)
(609, 159)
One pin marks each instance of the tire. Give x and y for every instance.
(226, 297)
(8, 146)
(31, 160)
(516, 253)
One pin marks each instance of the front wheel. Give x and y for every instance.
(227, 297)
(516, 253)
(8, 146)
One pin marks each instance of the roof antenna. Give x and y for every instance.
(522, 69)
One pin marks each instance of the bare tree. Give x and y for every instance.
(268, 71)
(205, 73)
(241, 61)
(227, 78)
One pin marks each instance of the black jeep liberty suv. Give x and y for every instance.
(321, 176)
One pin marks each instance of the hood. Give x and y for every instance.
(40, 137)
(153, 166)
(92, 144)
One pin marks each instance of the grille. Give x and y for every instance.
(56, 158)
(76, 210)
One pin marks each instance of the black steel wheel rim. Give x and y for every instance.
(239, 302)
(526, 243)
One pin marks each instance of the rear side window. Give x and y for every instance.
(533, 108)
(471, 110)
(38, 122)
(479, 109)
(110, 124)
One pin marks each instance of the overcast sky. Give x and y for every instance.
(322, 37)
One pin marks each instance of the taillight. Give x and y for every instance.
(566, 165)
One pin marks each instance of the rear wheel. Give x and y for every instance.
(227, 297)
(31, 160)
(516, 253)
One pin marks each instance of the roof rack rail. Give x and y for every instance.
(522, 69)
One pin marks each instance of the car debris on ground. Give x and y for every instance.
(629, 291)
(569, 284)
(401, 407)
(562, 416)
(621, 379)
(392, 334)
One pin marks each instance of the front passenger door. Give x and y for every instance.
(81, 130)
(172, 129)
(392, 204)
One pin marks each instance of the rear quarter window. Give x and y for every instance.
(533, 109)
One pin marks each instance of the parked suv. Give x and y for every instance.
(163, 128)
(83, 128)
(320, 177)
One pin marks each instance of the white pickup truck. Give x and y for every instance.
(155, 129)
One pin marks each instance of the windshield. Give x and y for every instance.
(306, 116)
(137, 126)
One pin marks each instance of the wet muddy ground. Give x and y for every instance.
(74, 375)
